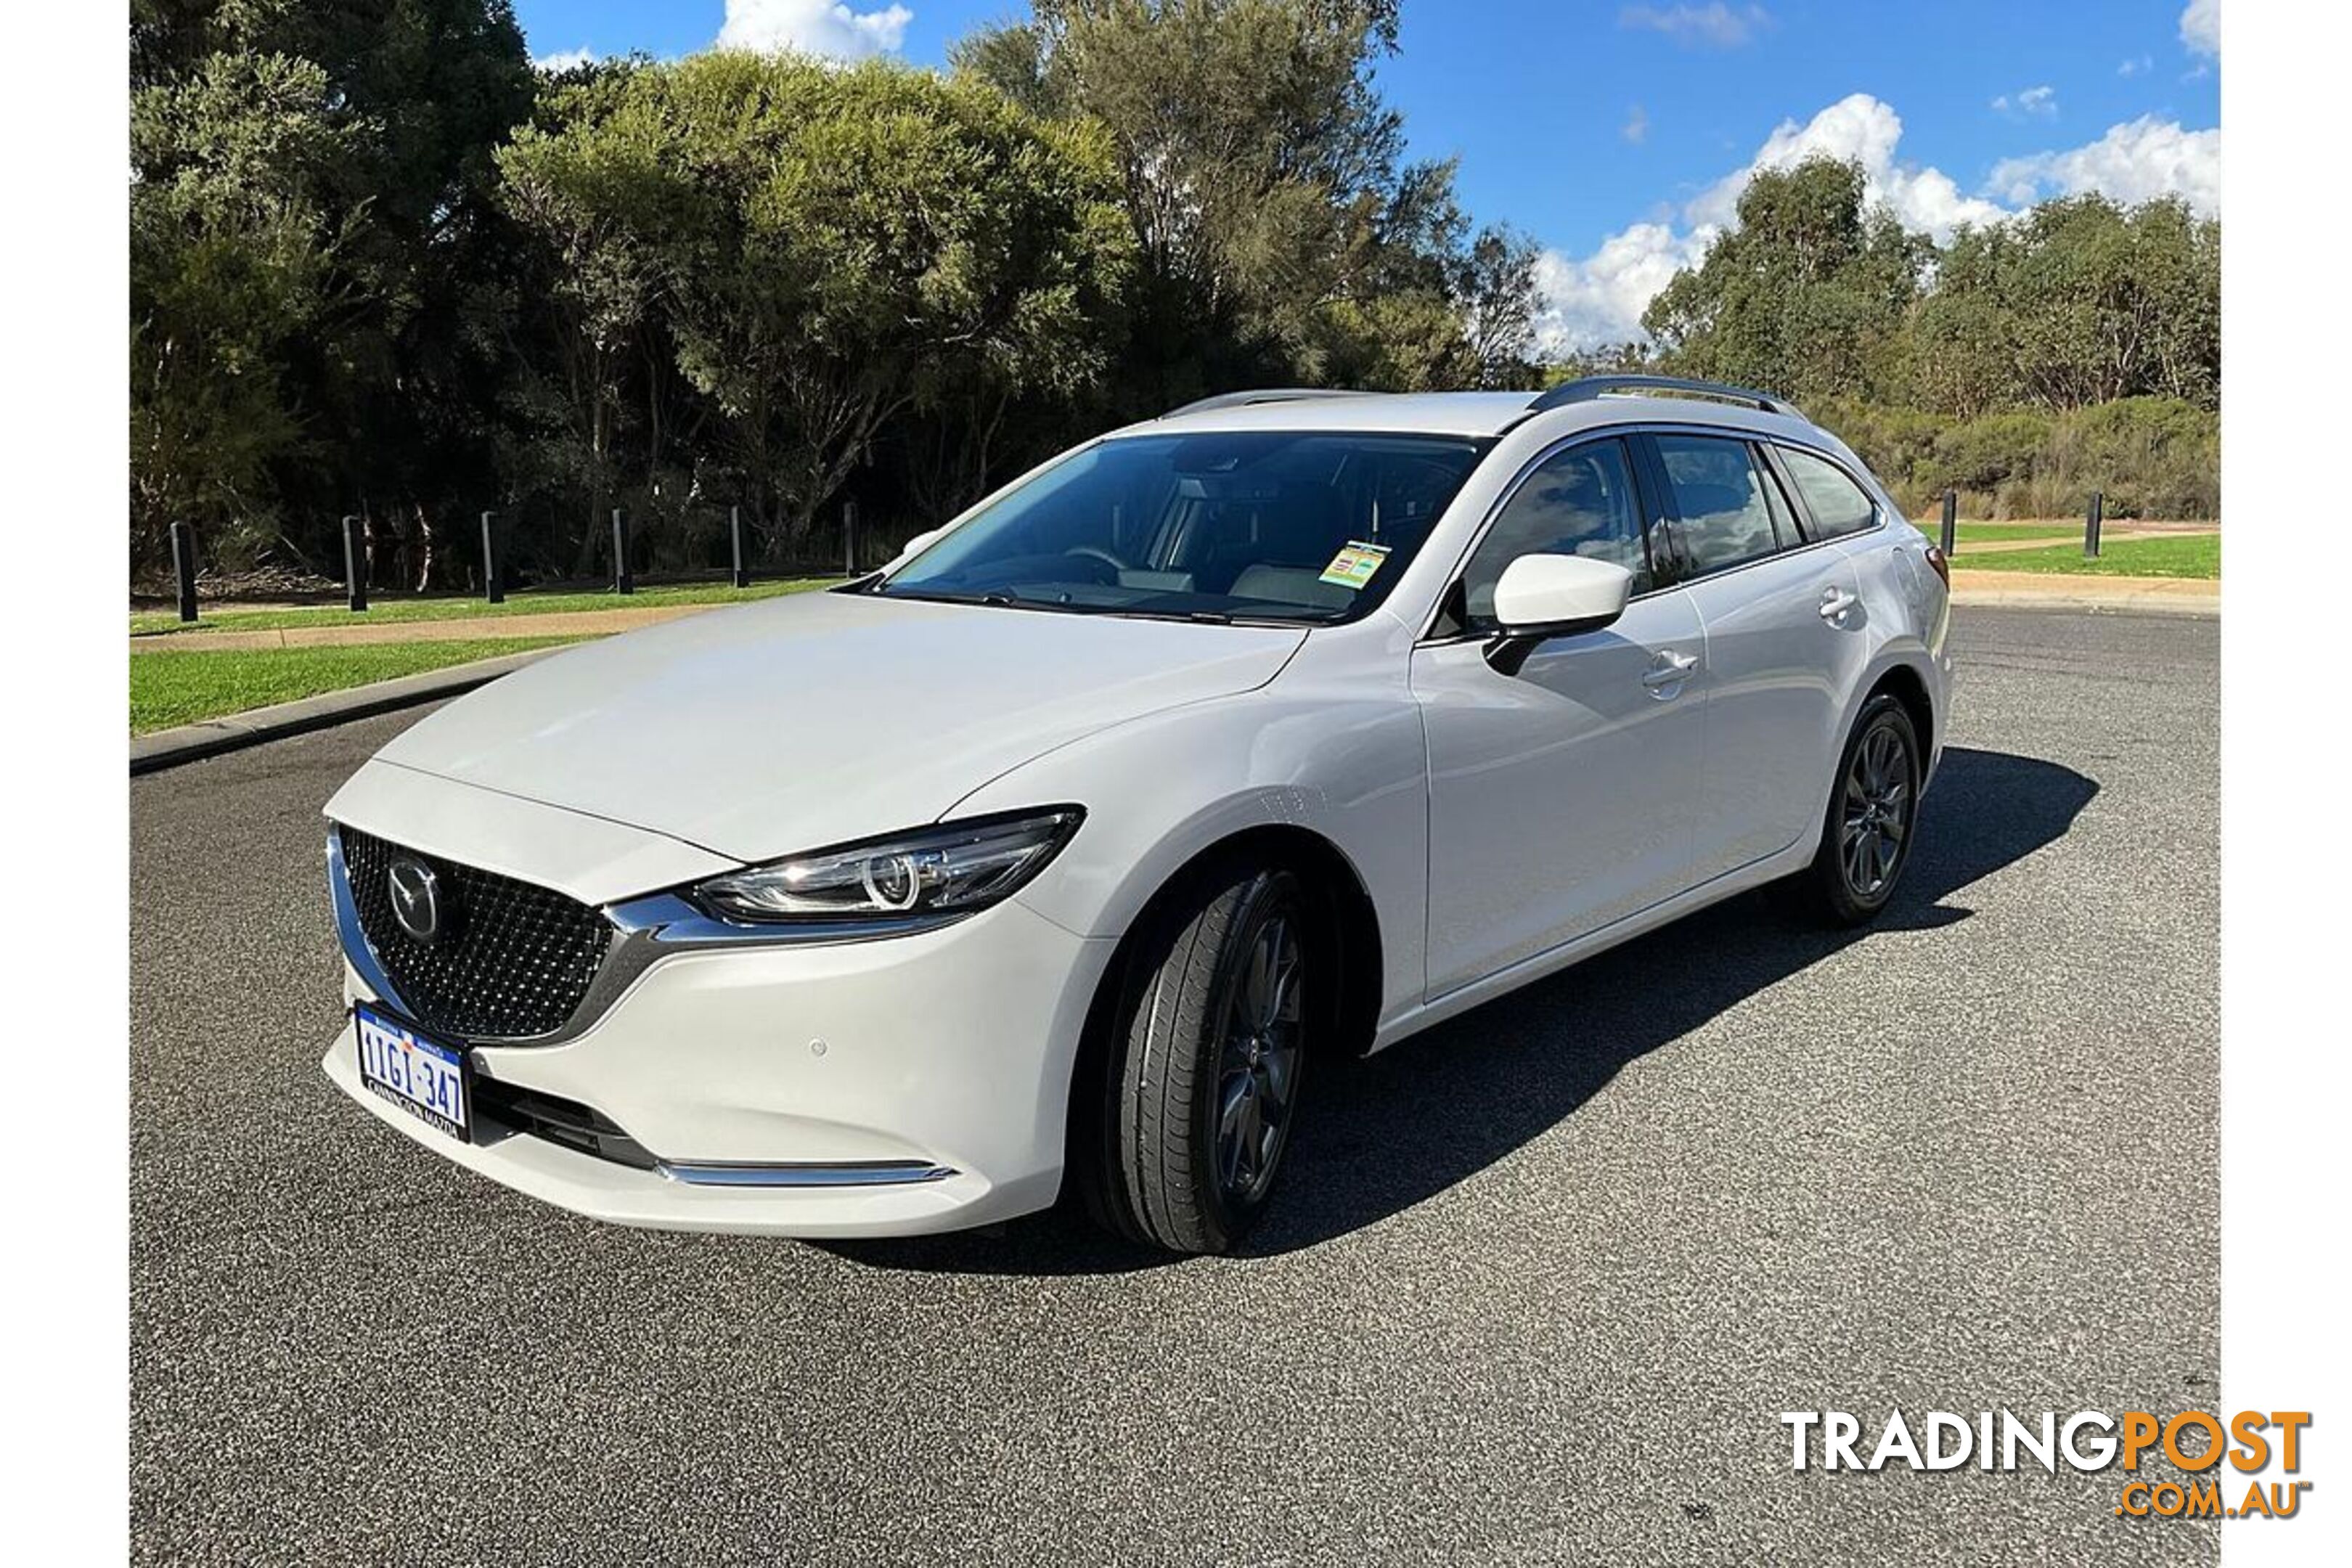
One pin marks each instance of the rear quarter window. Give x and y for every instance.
(1834, 504)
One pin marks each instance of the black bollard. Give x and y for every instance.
(623, 580)
(183, 569)
(1951, 522)
(355, 563)
(735, 534)
(493, 589)
(2090, 526)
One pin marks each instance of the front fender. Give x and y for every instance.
(1351, 768)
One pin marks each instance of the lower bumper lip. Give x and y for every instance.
(889, 1173)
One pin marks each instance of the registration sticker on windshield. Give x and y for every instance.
(1354, 565)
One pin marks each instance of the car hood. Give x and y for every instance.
(765, 729)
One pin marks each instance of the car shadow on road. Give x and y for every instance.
(1383, 1134)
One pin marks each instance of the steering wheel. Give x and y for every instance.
(1099, 554)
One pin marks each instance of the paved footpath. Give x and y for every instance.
(567, 622)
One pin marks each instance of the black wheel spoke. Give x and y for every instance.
(1876, 815)
(1259, 1059)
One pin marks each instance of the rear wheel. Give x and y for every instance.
(1206, 1053)
(1873, 809)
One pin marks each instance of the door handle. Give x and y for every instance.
(1671, 669)
(1836, 602)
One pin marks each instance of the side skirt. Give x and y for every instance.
(1730, 884)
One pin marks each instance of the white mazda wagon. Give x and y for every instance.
(1059, 854)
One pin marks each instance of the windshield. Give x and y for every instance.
(1261, 525)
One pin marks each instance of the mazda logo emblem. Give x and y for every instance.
(416, 900)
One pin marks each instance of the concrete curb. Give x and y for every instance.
(235, 731)
(1969, 597)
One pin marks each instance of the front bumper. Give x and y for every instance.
(889, 1087)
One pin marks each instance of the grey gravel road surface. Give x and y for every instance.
(1537, 1286)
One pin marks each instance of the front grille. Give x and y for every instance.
(513, 960)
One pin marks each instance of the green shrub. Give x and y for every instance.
(2150, 457)
(1990, 452)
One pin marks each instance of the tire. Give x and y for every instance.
(1207, 1044)
(1871, 818)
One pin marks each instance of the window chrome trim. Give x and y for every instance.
(1430, 637)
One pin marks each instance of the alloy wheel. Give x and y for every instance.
(1257, 1070)
(1876, 818)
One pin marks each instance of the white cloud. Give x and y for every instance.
(1598, 299)
(1636, 128)
(564, 60)
(2134, 162)
(1715, 25)
(2034, 103)
(814, 27)
(1861, 129)
(2138, 65)
(2200, 27)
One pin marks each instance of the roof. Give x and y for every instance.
(1474, 413)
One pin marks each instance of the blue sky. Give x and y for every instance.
(1618, 135)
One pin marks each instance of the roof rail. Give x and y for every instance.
(1584, 389)
(1264, 394)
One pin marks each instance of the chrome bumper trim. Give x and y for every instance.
(889, 1173)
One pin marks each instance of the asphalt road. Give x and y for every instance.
(1538, 1285)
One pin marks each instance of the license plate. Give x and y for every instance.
(423, 1077)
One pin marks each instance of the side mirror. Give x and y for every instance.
(1544, 597)
(915, 547)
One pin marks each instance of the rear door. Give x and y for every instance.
(1782, 613)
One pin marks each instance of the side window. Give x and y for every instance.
(1834, 503)
(1578, 502)
(1718, 495)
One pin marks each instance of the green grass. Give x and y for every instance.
(180, 687)
(1994, 532)
(2175, 555)
(439, 607)
(1981, 532)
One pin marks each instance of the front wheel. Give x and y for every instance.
(1206, 1057)
(1871, 819)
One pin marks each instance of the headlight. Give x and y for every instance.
(953, 868)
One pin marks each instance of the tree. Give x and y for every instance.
(1280, 233)
(2078, 301)
(1807, 294)
(312, 241)
(233, 258)
(823, 249)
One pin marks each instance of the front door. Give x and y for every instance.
(1560, 796)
